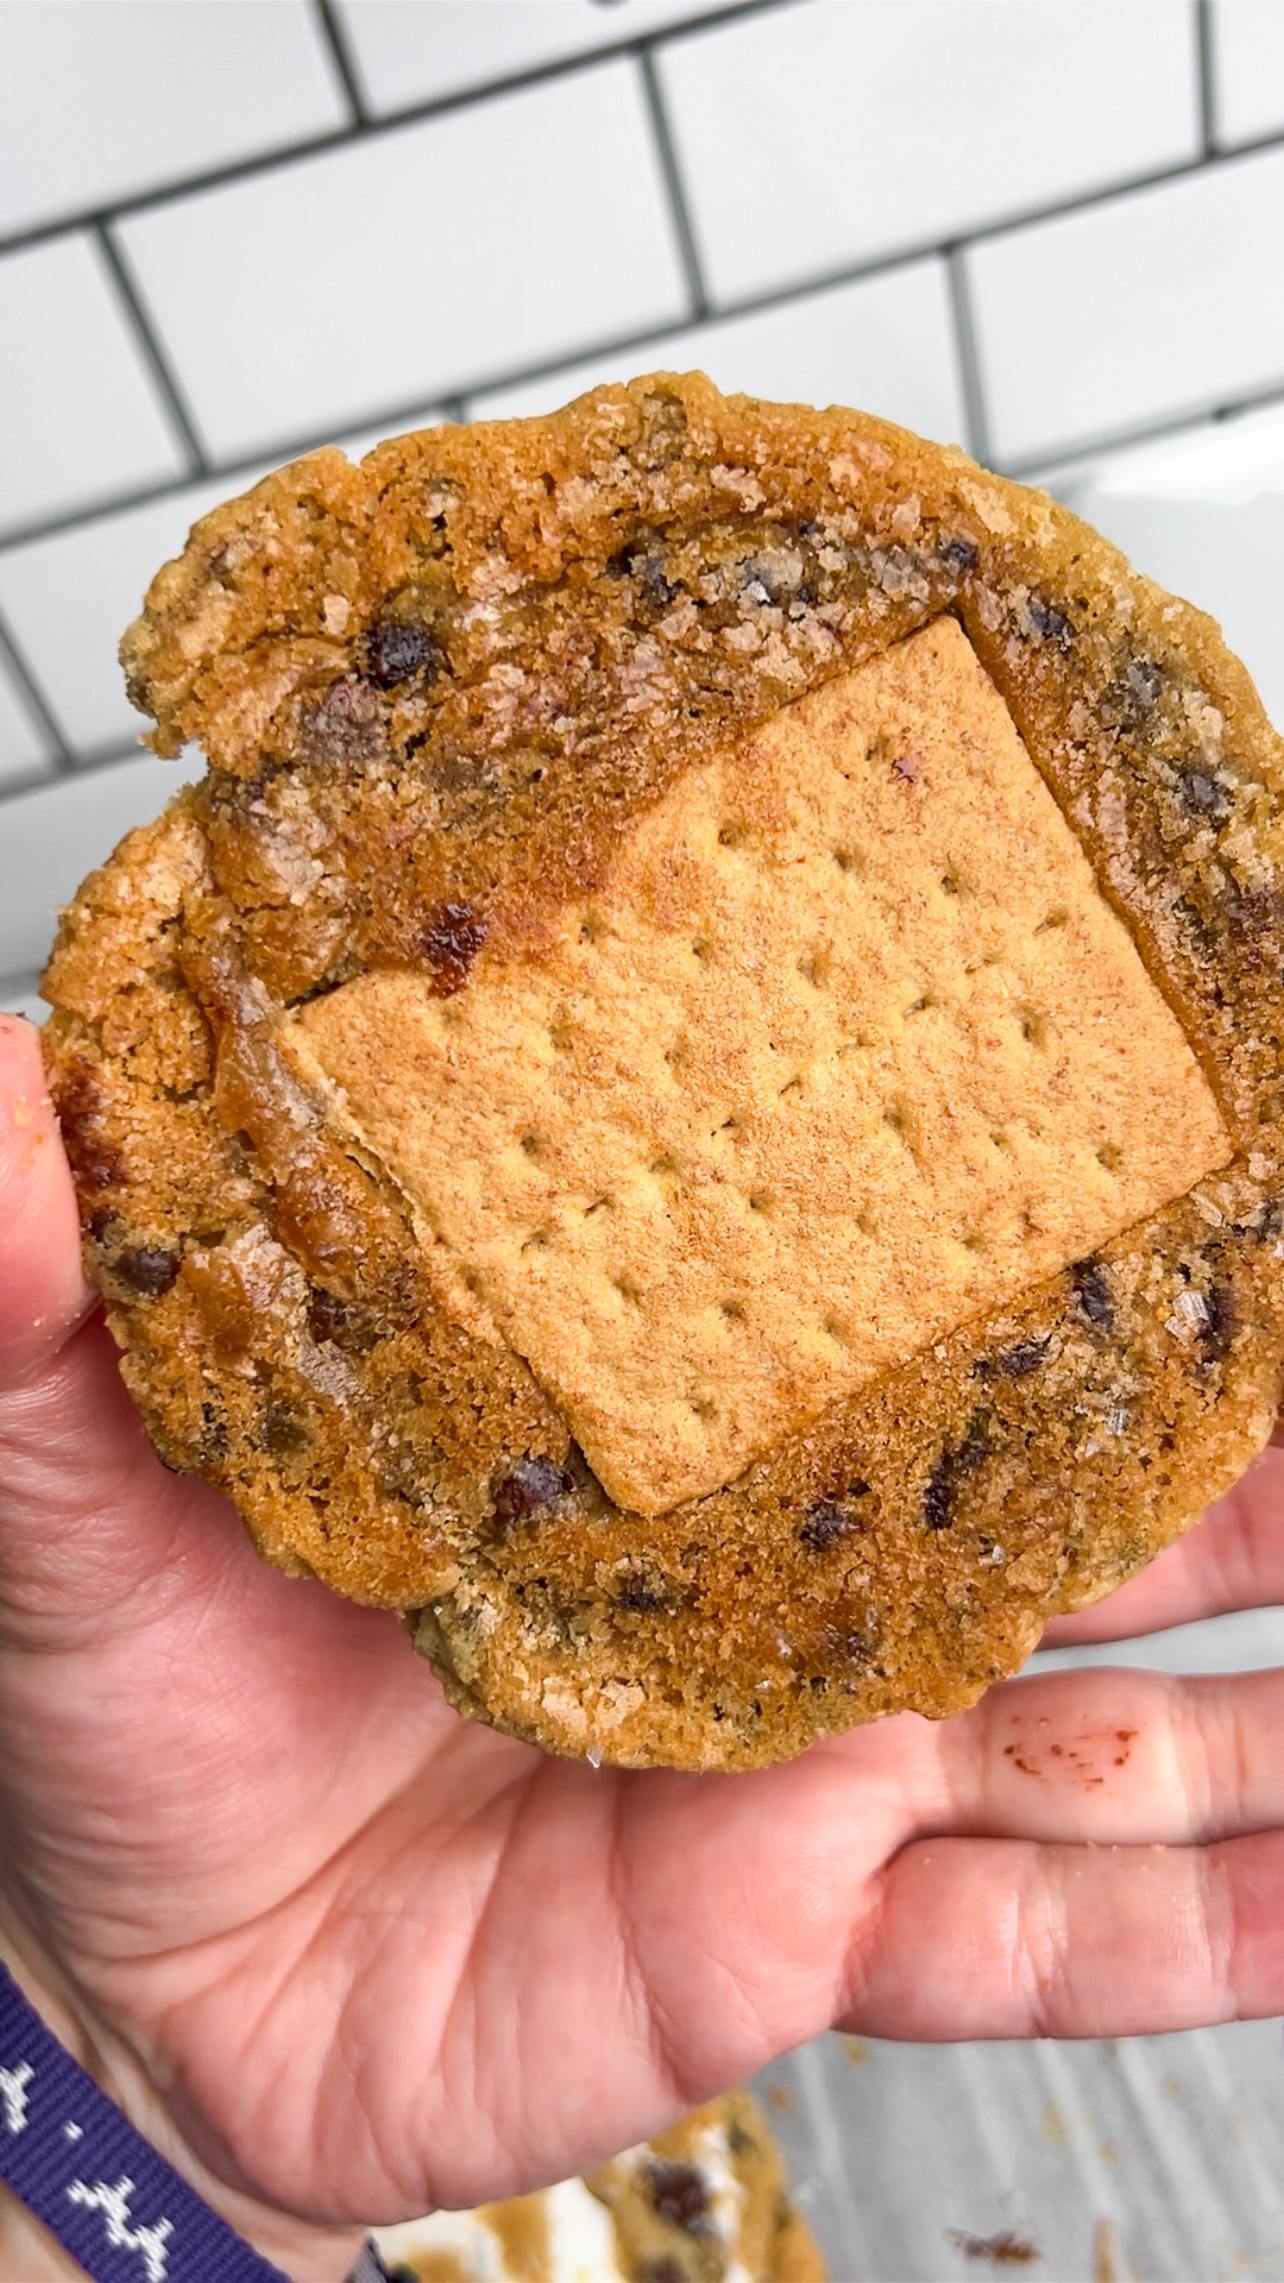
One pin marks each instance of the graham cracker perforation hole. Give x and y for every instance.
(1034, 1027)
(531, 1145)
(703, 948)
(730, 836)
(1054, 920)
(537, 1241)
(662, 1168)
(629, 1292)
(848, 860)
(921, 1006)
(836, 1331)
(1110, 1157)
(951, 885)
(792, 1085)
(732, 1310)
(703, 1406)
(761, 1201)
(815, 967)
(599, 1205)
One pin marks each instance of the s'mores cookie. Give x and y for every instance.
(705, 2202)
(693, 1099)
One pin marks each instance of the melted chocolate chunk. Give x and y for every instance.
(1050, 624)
(1217, 1331)
(664, 2271)
(396, 653)
(283, 1432)
(1014, 1363)
(148, 1269)
(94, 1161)
(1202, 795)
(534, 1487)
(642, 1594)
(959, 554)
(327, 1314)
(679, 2195)
(828, 1520)
(451, 941)
(956, 1462)
(1092, 1291)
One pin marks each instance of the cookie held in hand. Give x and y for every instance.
(693, 1098)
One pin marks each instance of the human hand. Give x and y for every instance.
(346, 1956)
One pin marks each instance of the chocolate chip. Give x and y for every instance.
(534, 1487)
(641, 1594)
(396, 652)
(664, 2271)
(1217, 1331)
(956, 1462)
(679, 2195)
(1133, 695)
(1014, 1363)
(658, 591)
(327, 1314)
(282, 1431)
(1050, 624)
(828, 1520)
(96, 1163)
(451, 941)
(149, 1269)
(959, 554)
(1202, 795)
(1092, 1291)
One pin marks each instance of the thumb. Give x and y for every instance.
(43, 1294)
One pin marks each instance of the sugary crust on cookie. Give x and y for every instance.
(435, 691)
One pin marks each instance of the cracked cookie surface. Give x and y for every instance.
(700, 1410)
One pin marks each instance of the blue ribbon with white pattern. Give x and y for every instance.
(107, 2195)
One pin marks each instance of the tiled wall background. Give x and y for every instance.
(230, 229)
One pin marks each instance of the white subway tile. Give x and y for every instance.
(826, 133)
(1142, 307)
(23, 745)
(51, 837)
(1248, 69)
(70, 597)
(79, 417)
(411, 54)
(408, 266)
(100, 101)
(885, 345)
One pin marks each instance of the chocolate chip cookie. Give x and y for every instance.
(693, 1100)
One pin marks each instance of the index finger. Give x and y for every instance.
(43, 1293)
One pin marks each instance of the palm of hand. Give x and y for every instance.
(377, 1958)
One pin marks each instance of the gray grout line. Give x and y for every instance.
(385, 122)
(34, 697)
(181, 418)
(679, 210)
(1146, 432)
(1206, 67)
(968, 352)
(334, 35)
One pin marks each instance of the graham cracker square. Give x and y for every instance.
(847, 1048)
